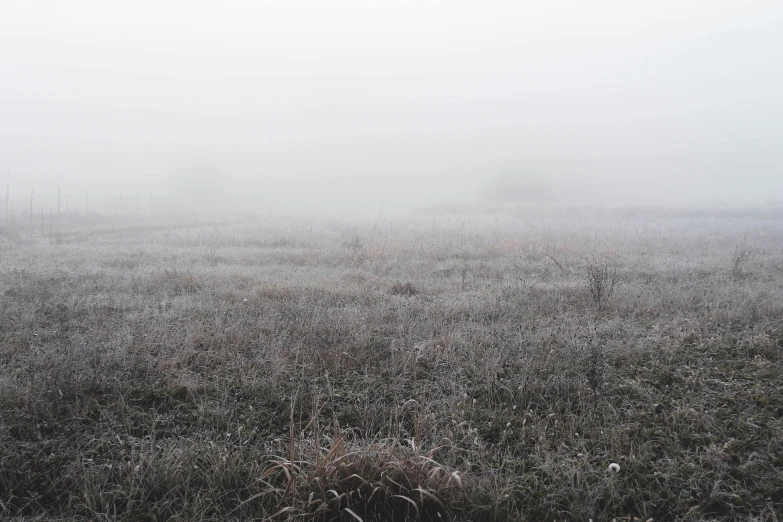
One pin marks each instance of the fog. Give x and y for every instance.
(370, 106)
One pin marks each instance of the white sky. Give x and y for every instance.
(391, 100)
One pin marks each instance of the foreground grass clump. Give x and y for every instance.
(243, 372)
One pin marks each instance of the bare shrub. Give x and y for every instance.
(740, 257)
(601, 279)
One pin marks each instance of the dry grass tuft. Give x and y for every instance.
(383, 481)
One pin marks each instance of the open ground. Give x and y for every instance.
(546, 365)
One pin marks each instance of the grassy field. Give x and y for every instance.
(561, 365)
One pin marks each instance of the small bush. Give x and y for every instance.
(406, 289)
(740, 257)
(601, 279)
(594, 365)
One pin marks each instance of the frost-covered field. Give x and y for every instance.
(459, 368)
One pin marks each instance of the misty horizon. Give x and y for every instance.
(388, 106)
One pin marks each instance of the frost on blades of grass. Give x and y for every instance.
(253, 370)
